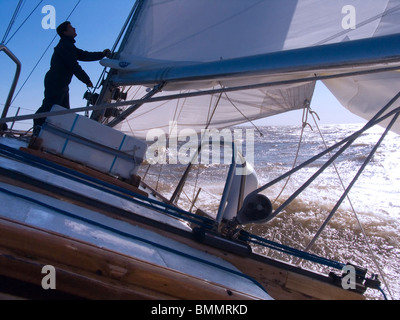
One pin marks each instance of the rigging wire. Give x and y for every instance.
(244, 116)
(175, 118)
(26, 19)
(12, 21)
(181, 183)
(354, 212)
(177, 112)
(306, 111)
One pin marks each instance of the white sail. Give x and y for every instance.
(209, 30)
(198, 44)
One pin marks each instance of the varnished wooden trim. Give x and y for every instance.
(91, 272)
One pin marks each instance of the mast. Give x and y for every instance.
(106, 93)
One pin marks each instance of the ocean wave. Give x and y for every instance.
(374, 196)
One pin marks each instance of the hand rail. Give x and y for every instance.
(14, 84)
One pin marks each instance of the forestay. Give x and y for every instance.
(192, 45)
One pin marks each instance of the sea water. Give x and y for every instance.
(365, 230)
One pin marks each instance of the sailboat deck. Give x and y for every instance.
(39, 209)
(49, 206)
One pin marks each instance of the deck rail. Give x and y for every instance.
(3, 127)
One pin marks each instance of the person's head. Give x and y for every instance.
(66, 29)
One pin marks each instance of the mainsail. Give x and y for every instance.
(262, 57)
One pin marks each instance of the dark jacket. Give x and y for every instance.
(64, 63)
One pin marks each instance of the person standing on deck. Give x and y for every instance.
(64, 64)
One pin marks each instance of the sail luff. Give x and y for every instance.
(133, 16)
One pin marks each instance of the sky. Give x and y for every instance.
(98, 23)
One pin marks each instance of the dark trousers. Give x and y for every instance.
(52, 96)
